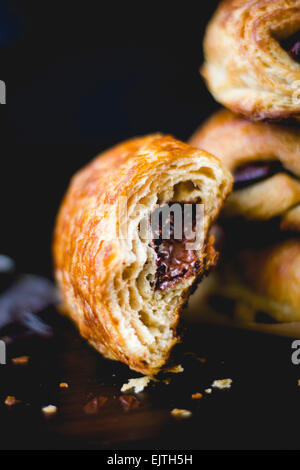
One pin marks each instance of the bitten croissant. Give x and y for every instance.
(125, 290)
(260, 268)
(252, 57)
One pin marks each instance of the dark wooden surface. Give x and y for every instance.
(260, 411)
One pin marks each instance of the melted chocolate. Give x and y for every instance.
(295, 51)
(253, 172)
(292, 46)
(174, 261)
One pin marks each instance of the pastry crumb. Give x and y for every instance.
(64, 385)
(208, 391)
(21, 360)
(175, 369)
(11, 400)
(49, 410)
(222, 383)
(181, 413)
(197, 396)
(137, 384)
(298, 382)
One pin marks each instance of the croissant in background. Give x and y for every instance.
(125, 293)
(260, 269)
(265, 161)
(252, 57)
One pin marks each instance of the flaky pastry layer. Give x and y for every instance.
(108, 283)
(246, 68)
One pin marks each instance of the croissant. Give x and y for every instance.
(265, 161)
(256, 288)
(273, 273)
(260, 268)
(124, 290)
(252, 57)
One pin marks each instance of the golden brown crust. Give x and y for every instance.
(104, 280)
(262, 286)
(263, 280)
(274, 273)
(245, 67)
(237, 141)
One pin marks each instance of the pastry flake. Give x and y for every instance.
(222, 384)
(49, 410)
(181, 413)
(137, 385)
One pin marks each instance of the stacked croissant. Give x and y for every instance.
(252, 66)
(125, 289)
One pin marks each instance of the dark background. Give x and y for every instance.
(79, 78)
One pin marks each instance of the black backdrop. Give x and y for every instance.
(80, 78)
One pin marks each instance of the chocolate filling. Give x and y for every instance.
(292, 46)
(174, 261)
(257, 171)
(295, 51)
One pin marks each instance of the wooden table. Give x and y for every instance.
(260, 411)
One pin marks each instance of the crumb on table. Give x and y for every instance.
(64, 385)
(20, 360)
(181, 413)
(11, 400)
(222, 383)
(197, 396)
(49, 410)
(137, 384)
(208, 391)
